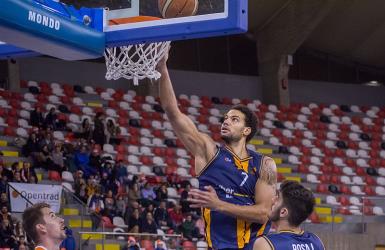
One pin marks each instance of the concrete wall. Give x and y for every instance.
(186, 82)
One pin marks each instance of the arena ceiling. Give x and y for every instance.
(352, 29)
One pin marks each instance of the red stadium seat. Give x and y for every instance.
(121, 149)
(360, 171)
(344, 200)
(322, 188)
(314, 218)
(336, 170)
(54, 176)
(343, 211)
(9, 131)
(325, 179)
(170, 161)
(202, 119)
(370, 180)
(158, 151)
(157, 116)
(145, 123)
(106, 222)
(10, 120)
(367, 202)
(76, 110)
(133, 131)
(326, 169)
(368, 211)
(140, 99)
(226, 101)
(184, 102)
(146, 160)
(345, 189)
(369, 191)
(335, 179)
(303, 169)
(373, 163)
(170, 170)
(113, 104)
(117, 96)
(133, 140)
(170, 152)
(122, 113)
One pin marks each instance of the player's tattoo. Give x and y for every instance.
(268, 171)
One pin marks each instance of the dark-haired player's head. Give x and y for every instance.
(239, 122)
(295, 203)
(39, 222)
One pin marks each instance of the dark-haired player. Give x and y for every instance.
(42, 225)
(294, 205)
(237, 185)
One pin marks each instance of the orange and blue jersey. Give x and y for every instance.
(289, 240)
(234, 181)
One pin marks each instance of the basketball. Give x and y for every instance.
(177, 8)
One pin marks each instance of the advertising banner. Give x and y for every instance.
(35, 193)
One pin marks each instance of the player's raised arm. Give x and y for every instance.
(266, 187)
(200, 145)
(265, 196)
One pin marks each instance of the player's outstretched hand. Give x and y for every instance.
(207, 199)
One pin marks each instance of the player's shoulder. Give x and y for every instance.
(263, 243)
(317, 239)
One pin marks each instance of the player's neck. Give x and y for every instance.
(284, 226)
(238, 148)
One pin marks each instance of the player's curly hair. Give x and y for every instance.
(298, 200)
(251, 120)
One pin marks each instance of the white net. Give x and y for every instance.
(135, 62)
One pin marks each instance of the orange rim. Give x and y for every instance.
(134, 19)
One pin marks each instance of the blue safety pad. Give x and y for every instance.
(44, 29)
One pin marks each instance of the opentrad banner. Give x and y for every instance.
(35, 193)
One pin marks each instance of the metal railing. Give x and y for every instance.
(72, 199)
(360, 212)
(165, 237)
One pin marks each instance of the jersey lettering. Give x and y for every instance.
(302, 246)
(244, 179)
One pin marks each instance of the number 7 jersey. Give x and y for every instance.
(234, 181)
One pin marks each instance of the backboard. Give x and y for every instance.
(212, 18)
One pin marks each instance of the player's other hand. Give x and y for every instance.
(207, 198)
(163, 62)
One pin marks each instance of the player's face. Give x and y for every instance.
(275, 213)
(54, 227)
(233, 126)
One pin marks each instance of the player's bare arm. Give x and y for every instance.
(261, 244)
(265, 195)
(200, 145)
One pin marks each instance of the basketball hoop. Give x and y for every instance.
(136, 61)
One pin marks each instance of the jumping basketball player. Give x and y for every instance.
(45, 229)
(237, 185)
(295, 203)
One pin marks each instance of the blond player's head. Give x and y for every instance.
(40, 223)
